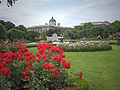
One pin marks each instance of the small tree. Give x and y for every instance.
(65, 35)
(3, 32)
(43, 35)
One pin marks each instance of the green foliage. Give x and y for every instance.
(15, 34)
(32, 35)
(56, 30)
(18, 32)
(9, 25)
(113, 42)
(43, 36)
(2, 22)
(95, 31)
(81, 84)
(90, 31)
(86, 26)
(3, 32)
(65, 35)
(22, 28)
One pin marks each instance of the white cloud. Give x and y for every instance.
(35, 12)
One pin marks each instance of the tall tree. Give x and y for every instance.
(22, 28)
(9, 25)
(3, 32)
(2, 22)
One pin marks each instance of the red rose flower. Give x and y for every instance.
(63, 55)
(6, 71)
(80, 75)
(45, 59)
(48, 55)
(29, 63)
(39, 59)
(26, 77)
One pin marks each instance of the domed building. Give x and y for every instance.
(51, 25)
(52, 22)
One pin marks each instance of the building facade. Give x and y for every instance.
(98, 23)
(52, 25)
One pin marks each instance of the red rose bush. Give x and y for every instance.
(44, 71)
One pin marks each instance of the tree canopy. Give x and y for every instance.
(3, 32)
(32, 35)
(15, 34)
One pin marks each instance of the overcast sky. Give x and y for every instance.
(66, 12)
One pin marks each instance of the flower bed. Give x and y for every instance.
(113, 42)
(14, 46)
(45, 71)
(85, 46)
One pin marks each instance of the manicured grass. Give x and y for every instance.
(100, 69)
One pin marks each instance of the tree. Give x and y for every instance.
(115, 26)
(9, 25)
(72, 34)
(87, 26)
(32, 35)
(65, 35)
(78, 27)
(44, 35)
(2, 22)
(15, 34)
(97, 30)
(3, 32)
(22, 28)
(55, 30)
(10, 2)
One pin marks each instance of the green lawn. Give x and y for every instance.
(101, 69)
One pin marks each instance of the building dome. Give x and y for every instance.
(52, 22)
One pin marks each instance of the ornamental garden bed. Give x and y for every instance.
(47, 70)
(14, 46)
(85, 46)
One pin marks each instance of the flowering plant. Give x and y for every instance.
(85, 46)
(14, 46)
(46, 70)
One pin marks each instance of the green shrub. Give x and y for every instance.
(113, 42)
